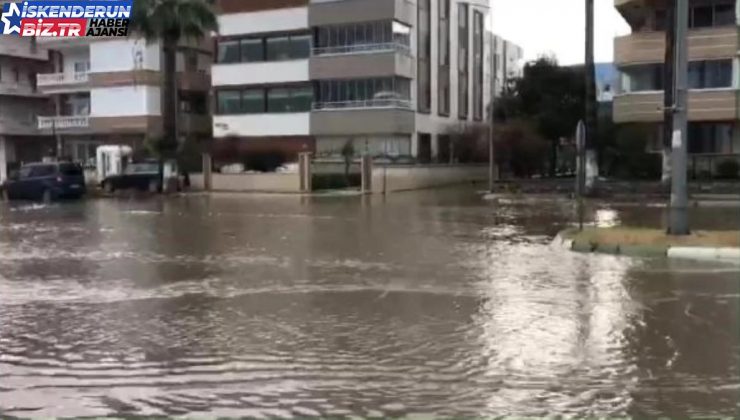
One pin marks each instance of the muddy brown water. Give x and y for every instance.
(430, 303)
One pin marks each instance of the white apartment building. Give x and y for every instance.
(508, 61)
(20, 101)
(84, 92)
(392, 77)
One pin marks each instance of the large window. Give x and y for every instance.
(477, 65)
(264, 48)
(379, 91)
(710, 138)
(424, 66)
(443, 56)
(643, 78)
(709, 14)
(710, 74)
(462, 61)
(365, 36)
(260, 100)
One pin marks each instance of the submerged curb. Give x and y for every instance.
(727, 255)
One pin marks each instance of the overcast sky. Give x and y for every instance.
(557, 26)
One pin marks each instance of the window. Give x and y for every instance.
(462, 62)
(228, 52)
(424, 78)
(724, 14)
(478, 66)
(644, 78)
(252, 50)
(710, 74)
(710, 138)
(443, 69)
(42, 170)
(253, 101)
(228, 102)
(701, 17)
(82, 66)
(705, 15)
(70, 169)
(270, 48)
(278, 100)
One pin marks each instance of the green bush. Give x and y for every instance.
(631, 159)
(728, 169)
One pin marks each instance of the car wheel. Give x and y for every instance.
(46, 196)
(108, 187)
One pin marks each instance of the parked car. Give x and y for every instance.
(140, 176)
(46, 182)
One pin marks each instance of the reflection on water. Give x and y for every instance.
(424, 303)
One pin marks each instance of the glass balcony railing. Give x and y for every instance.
(363, 104)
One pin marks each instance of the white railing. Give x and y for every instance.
(63, 122)
(52, 79)
(361, 48)
(369, 103)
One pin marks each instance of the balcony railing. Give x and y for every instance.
(16, 88)
(370, 103)
(64, 122)
(55, 79)
(361, 48)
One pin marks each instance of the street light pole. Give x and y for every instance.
(678, 213)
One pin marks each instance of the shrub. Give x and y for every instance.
(728, 169)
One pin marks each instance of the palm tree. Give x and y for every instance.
(592, 169)
(170, 22)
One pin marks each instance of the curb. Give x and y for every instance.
(725, 255)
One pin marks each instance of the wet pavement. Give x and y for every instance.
(430, 303)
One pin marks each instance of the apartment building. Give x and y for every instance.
(20, 101)
(390, 77)
(714, 130)
(108, 91)
(507, 64)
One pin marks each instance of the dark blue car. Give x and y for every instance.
(46, 182)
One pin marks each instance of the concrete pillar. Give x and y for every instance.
(3, 160)
(304, 171)
(367, 174)
(207, 172)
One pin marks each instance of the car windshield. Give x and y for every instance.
(142, 168)
(70, 169)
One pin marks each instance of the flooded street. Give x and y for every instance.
(430, 303)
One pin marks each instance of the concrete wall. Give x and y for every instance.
(125, 101)
(412, 177)
(271, 72)
(272, 182)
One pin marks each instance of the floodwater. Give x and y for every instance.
(429, 304)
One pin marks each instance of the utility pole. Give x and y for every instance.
(491, 139)
(669, 91)
(592, 165)
(678, 214)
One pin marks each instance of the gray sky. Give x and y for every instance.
(557, 26)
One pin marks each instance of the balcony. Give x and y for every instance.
(704, 105)
(18, 89)
(340, 12)
(66, 122)
(356, 61)
(18, 125)
(22, 47)
(649, 47)
(62, 81)
(376, 116)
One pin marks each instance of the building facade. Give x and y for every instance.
(507, 62)
(714, 77)
(79, 93)
(20, 101)
(392, 78)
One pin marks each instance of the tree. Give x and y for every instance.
(170, 22)
(592, 166)
(549, 96)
